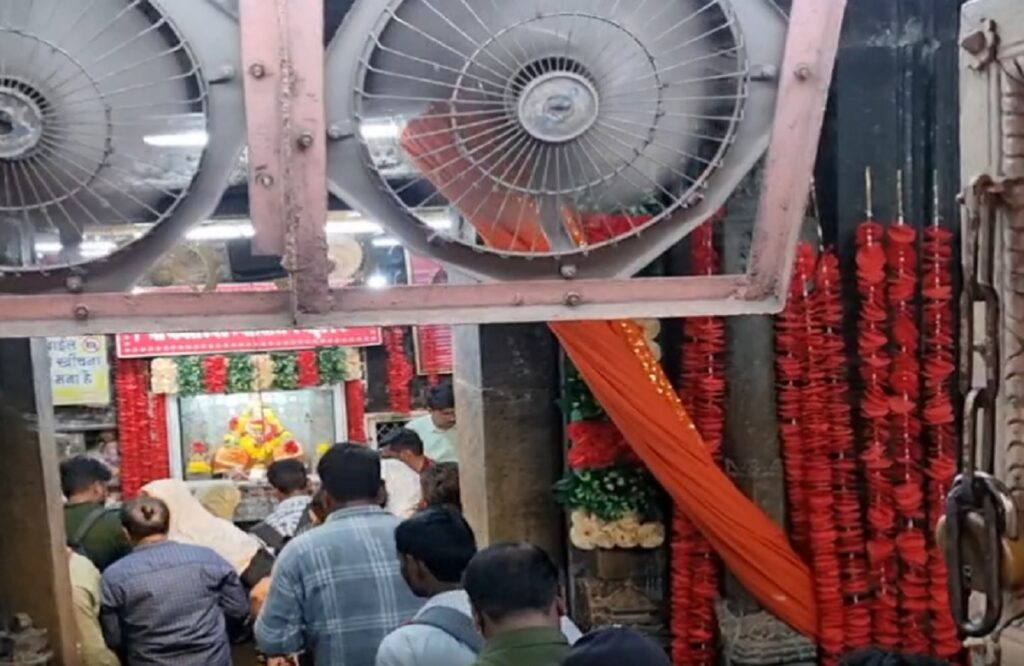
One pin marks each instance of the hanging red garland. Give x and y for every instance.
(790, 364)
(695, 568)
(215, 373)
(428, 353)
(400, 371)
(142, 428)
(596, 445)
(355, 408)
(940, 421)
(906, 451)
(848, 516)
(874, 369)
(309, 368)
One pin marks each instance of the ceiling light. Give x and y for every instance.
(377, 281)
(355, 226)
(196, 139)
(225, 231)
(379, 130)
(387, 241)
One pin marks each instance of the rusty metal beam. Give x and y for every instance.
(403, 305)
(282, 50)
(811, 46)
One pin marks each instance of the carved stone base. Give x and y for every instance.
(760, 639)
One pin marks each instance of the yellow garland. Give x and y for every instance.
(164, 376)
(353, 364)
(263, 365)
(590, 532)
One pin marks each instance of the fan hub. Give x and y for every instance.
(21, 123)
(558, 106)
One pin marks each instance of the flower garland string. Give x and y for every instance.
(309, 368)
(400, 370)
(355, 407)
(848, 515)
(940, 421)
(215, 373)
(906, 451)
(874, 370)
(816, 476)
(695, 569)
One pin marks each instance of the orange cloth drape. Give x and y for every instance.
(611, 357)
(630, 385)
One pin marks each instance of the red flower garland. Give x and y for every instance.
(309, 368)
(874, 369)
(142, 428)
(355, 408)
(846, 505)
(400, 370)
(215, 373)
(940, 421)
(428, 353)
(905, 439)
(596, 445)
(695, 569)
(790, 362)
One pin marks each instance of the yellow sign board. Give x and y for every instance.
(79, 370)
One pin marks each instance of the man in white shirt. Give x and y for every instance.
(435, 546)
(403, 487)
(437, 429)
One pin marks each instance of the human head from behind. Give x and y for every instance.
(350, 477)
(84, 479)
(405, 445)
(441, 404)
(145, 520)
(288, 478)
(876, 657)
(513, 586)
(434, 546)
(439, 485)
(614, 646)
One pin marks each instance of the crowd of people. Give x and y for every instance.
(339, 577)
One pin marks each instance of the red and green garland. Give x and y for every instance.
(243, 373)
(142, 428)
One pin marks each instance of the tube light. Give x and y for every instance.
(195, 139)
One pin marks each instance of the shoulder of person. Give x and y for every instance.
(415, 644)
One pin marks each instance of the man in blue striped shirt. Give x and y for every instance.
(165, 603)
(338, 590)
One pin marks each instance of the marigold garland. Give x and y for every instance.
(597, 444)
(142, 427)
(309, 368)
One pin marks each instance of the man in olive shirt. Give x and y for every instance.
(514, 591)
(91, 529)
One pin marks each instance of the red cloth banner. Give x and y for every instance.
(144, 345)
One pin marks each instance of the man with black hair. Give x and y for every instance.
(405, 445)
(338, 590)
(437, 429)
(167, 602)
(92, 530)
(290, 482)
(435, 546)
(514, 591)
(615, 646)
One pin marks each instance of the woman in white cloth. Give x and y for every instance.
(191, 523)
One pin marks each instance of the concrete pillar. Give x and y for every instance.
(510, 432)
(34, 578)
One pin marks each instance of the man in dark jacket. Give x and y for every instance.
(91, 528)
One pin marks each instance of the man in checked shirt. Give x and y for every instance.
(338, 590)
(165, 603)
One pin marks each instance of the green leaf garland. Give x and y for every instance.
(609, 493)
(241, 374)
(580, 403)
(332, 365)
(286, 371)
(191, 376)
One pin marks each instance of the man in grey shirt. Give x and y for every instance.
(435, 546)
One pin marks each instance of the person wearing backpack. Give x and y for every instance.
(435, 547)
(92, 530)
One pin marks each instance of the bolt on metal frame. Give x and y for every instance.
(282, 52)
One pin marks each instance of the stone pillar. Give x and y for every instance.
(510, 432)
(34, 578)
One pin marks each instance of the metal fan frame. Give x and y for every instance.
(805, 78)
(220, 63)
(351, 177)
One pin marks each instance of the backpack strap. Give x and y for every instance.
(457, 625)
(269, 535)
(75, 542)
